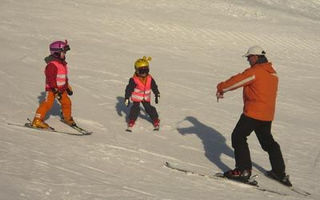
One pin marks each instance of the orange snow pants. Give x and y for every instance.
(47, 104)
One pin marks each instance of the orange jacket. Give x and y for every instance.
(260, 85)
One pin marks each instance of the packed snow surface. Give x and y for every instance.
(194, 45)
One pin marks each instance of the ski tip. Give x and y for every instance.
(219, 174)
(128, 130)
(169, 165)
(28, 124)
(87, 133)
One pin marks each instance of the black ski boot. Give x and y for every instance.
(237, 174)
(284, 179)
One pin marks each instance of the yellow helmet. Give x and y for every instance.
(142, 62)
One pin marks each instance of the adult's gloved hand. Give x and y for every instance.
(157, 97)
(219, 95)
(127, 102)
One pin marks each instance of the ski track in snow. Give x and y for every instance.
(180, 34)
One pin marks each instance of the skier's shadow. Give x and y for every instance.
(213, 141)
(123, 109)
(55, 110)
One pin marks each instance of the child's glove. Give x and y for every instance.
(69, 90)
(157, 98)
(56, 93)
(127, 102)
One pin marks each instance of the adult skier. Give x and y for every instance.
(57, 85)
(139, 89)
(260, 85)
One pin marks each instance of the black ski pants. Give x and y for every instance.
(135, 110)
(262, 129)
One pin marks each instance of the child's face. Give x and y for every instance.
(143, 75)
(62, 55)
(143, 72)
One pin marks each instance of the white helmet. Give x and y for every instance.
(255, 50)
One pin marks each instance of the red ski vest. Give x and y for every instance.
(62, 73)
(142, 92)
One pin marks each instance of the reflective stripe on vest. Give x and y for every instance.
(141, 92)
(62, 72)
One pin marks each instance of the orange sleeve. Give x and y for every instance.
(236, 81)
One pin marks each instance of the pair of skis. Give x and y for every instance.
(80, 131)
(252, 182)
(129, 129)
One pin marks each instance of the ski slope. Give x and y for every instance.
(194, 45)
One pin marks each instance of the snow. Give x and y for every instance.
(194, 45)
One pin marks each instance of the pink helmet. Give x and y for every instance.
(59, 46)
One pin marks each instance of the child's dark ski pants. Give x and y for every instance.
(135, 110)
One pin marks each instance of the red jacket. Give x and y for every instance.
(51, 73)
(260, 85)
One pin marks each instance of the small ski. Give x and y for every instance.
(129, 129)
(79, 129)
(156, 128)
(50, 129)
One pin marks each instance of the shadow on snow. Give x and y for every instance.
(214, 143)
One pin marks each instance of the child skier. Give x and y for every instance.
(139, 89)
(57, 85)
